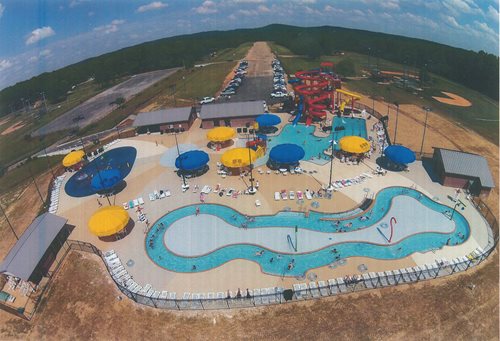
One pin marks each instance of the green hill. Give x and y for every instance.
(476, 70)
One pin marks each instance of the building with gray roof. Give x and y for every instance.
(32, 255)
(165, 120)
(463, 170)
(231, 114)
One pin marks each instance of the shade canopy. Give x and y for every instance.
(73, 158)
(191, 160)
(108, 221)
(106, 179)
(286, 153)
(267, 120)
(354, 144)
(238, 157)
(220, 134)
(399, 154)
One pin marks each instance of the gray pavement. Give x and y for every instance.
(99, 106)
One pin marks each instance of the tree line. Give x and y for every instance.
(476, 70)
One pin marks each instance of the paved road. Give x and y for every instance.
(99, 106)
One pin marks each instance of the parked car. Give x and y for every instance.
(206, 100)
(278, 94)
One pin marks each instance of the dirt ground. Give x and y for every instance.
(13, 128)
(440, 132)
(439, 310)
(15, 204)
(453, 99)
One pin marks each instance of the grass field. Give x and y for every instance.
(481, 117)
(232, 54)
(25, 145)
(23, 173)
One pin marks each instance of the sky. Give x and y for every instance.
(44, 35)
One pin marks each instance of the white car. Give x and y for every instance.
(278, 94)
(206, 100)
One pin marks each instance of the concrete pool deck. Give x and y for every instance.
(148, 175)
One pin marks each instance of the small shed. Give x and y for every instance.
(232, 114)
(166, 120)
(463, 170)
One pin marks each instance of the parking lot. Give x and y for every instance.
(252, 89)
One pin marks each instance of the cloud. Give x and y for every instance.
(451, 21)
(410, 18)
(39, 34)
(391, 4)
(152, 6)
(248, 1)
(304, 2)
(110, 28)
(5, 64)
(462, 6)
(207, 7)
(45, 53)
(2, 8)
(263, 9)
(492, 13)
(75, 3)
(484, 27)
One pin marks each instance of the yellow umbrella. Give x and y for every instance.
(221, 134)
(108, 220)
(354, 144)
(73, 158)
(238, 157)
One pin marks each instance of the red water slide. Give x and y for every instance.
(314, 93)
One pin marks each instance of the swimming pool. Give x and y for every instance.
(121, 158)
(314, 146)
(179, 242)
(348, 126)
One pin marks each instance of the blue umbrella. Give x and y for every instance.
(192, 160)
(286, 153)
(267, 120)
(399, 154)
(106, 179)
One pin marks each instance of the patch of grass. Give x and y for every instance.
(26, 146)
(231, 54)
(279, 49)
(22, 174)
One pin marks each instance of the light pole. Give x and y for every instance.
(427, 109)
(330, 185)
(185, 185)
(44, 101)
(252, 189)
(8, 222)
(397, 115)
(459, 202)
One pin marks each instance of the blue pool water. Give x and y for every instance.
(352, 127)
(421, 242)
(314, 146)
(121, 158)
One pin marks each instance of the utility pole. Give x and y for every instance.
(44, 101)
(36, 185)
(425, 127)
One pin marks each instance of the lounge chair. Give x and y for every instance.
(308, 195)
(292, 195)
(125, 205)
(257, 202)
(297, 291)
(284, 196)
(277, 196)
(367, 280)
(136, 202)
(167, 193)
(323, 288)
(264, 296)
(157, 195)
(163, 295)
(152, 197)
(131, 204)
(313, 288)
(300, 196)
